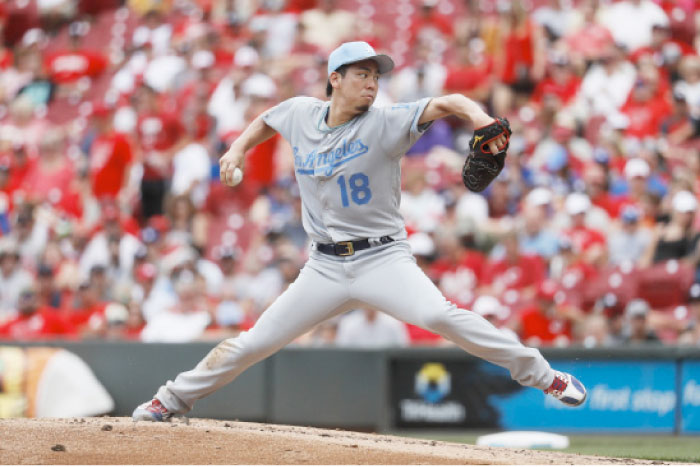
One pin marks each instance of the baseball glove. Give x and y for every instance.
(481, 167)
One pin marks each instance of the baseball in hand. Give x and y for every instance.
(237, 176)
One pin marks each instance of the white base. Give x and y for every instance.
(524, 439)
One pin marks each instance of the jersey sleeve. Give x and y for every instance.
(401, 128)
(281, 117)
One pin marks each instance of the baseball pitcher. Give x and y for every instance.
(347, 157)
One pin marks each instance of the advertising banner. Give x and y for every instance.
(446, 394)
(690, 397)
(623, 396)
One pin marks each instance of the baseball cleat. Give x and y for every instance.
(567, 389)
(152, 411)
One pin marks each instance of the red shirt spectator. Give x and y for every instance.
(472, 260)
(260, 165)
(110, 155)
(20, 165)
(34, 322)
(519, 52)
(560, 82)
(81, 318)
(590, 40)
(515, 273)
(158, 131)
(584, 238)
(647, 107)
(542, 322)
(538, 326)
(67, 66)
(51, 178)
(468, 76)
(428, 22)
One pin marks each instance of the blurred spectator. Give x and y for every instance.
(34, 322)
(160, 134)
(648, 105)
(691, 334)
(430, 27)
(192, 171)
(689, 84)
(98, 251)
(491, 310)
(369, 328)
(613, 309)
(459, 268)
(514, 270)
(587, 37)
(584, 239)
(556, 17)
(677, 239)
(154, 293)
(596, 332)
(628, 243)
(154, 29)
(421, 207)
(424, 78)
(423, 249)
(30, 232)
(132, 328)
(66, 66)
(13, 279)
(637, 328)
(560, 81)
(631, 21)
(606, 84)
(547, 321)
(46, 290)
(229, 321)
(51, 179)
(536, 238)
(519, 55)
(327, 26)
(185, 226)
(184, 321)
(110, 155)
(87, 312)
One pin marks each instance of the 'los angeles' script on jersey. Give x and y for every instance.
(323, 163)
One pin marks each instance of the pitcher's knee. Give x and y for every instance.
(237, 349)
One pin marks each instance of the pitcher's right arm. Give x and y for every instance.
(257, 132)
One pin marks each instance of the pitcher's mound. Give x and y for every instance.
(199, 441)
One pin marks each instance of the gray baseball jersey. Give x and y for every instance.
(349, 176)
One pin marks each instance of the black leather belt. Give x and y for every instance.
(349, 248)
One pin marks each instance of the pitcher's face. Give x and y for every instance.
(358, 88)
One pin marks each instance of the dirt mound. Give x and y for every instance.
(198, 441)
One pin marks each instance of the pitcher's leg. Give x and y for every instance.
(398, 287)
(312, 298)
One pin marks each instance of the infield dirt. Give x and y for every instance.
(106, 440)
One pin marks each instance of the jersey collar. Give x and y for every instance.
(323, 126)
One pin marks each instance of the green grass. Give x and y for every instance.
(653, 447)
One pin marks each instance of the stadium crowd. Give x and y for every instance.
(113, 115)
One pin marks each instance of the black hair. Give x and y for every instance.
(342, 69)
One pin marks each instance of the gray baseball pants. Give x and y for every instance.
(384, 277)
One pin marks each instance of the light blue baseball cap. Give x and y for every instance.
(351, 52)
